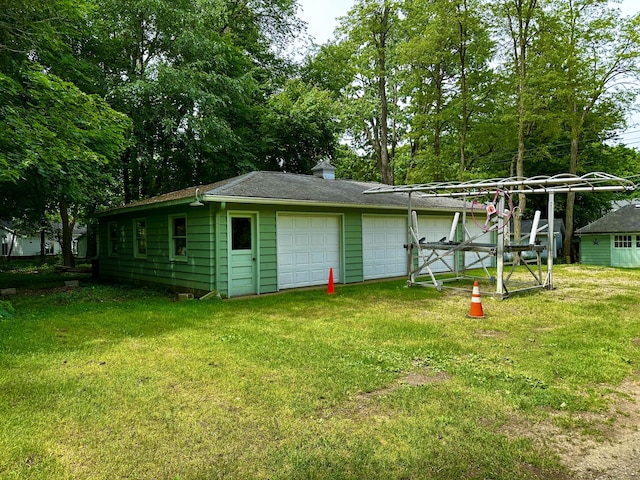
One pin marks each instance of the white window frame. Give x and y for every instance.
(623, 241)
(112, 230)
(178, 241)
(136, 238)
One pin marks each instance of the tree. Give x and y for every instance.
(30, 31)
(523, 25)
(194, 77)
(370, 34)
(446, 52)
(300, 128)
(67, 142)
(600, 54)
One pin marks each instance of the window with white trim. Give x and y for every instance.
(178, 234)
(622, 241)
(113, 239)
(140, 237)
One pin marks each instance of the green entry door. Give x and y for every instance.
(242, 255)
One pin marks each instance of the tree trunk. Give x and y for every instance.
(43, 239)
(567, 242)
(67, 231)
(126, 178)
(13, 241)
(386, 171)
(437, 125)
(522, 82)
(462, 30)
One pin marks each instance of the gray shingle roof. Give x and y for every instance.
(262, 187)
(623, 220)
(307, 188)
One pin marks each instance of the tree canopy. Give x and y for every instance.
(114, 100)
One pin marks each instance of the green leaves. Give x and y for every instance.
(300, 127)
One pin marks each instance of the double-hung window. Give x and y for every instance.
(140, 238)
(178, 233)
(113, 239)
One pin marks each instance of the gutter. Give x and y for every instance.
(261, 201)
(281, 201)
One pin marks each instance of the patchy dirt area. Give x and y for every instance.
(609, 451)
(614, 454)
(425, 375)
(617, 456)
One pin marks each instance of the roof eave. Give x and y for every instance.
(263, 201)
(311, 203)
(145, 206)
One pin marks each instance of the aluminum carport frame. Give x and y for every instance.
(549, 185)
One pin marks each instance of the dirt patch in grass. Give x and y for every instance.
(490, 334)
(426, 375)
(602, 446)
(48, 291)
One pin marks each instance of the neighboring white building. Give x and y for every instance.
(20, 245)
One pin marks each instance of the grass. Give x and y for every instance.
(116, 382)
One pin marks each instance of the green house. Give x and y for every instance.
(613, 240)
(265, 232)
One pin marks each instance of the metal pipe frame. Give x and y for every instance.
(549, 185)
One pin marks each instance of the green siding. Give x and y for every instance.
(268, 266)
(221, 251)
(206, 267)
(353, 262)
(195, 273)
(596, 249)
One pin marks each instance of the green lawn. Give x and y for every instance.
(375, 381)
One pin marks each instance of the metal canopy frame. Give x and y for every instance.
(562, 183)
(431, 252)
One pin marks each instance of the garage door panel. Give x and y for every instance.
(433, 229)
(471, 258)
(383, 254)
(315, 249)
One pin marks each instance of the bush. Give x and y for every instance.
(6, 310)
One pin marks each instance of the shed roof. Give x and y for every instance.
(287, 188)
(623, 220)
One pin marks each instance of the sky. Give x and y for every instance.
(321, 18)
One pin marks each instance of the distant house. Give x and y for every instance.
(558, 235)
(613, 240)
(265, 232)
(20, 245)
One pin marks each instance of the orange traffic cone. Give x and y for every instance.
(330, 286)
(476, 305)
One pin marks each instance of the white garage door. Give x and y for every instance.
(308, 246)
(383, 253)
(434, 229)
(472, 259)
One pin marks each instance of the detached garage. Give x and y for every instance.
(613, 240)
(264, 232)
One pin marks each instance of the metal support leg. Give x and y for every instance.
(551, 242)
(500, 249)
